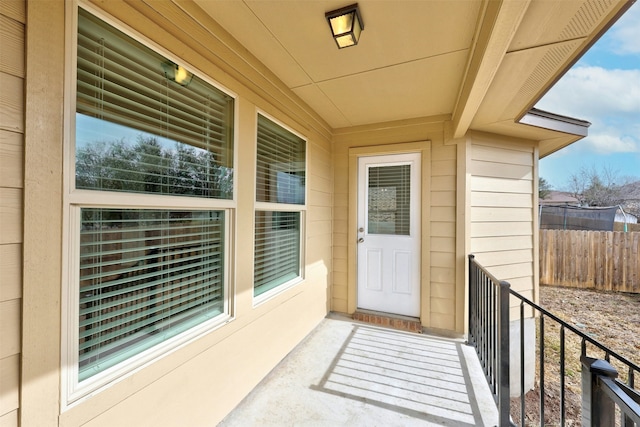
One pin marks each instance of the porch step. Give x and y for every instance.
(409, 324)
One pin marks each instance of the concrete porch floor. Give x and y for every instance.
(350, 373)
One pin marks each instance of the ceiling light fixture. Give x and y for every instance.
(177, 73)
(346, 25)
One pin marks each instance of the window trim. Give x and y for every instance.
(73, 392)
(282, 207)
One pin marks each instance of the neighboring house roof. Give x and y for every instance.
(559, 198)
(481, 65)
(631, 194)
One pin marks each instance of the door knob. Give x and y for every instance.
(360, 240)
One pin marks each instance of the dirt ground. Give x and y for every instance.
(611, 318)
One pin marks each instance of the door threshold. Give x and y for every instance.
(403, 323)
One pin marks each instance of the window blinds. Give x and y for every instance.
(277, 249)
(185, 140)
(280, 179)
(280, 164)
(145, 276)
(389, 200)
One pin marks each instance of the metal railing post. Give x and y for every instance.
(472, 301)
(504, 375)
(597, 409)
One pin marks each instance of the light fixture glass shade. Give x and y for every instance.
(346, 25)
(177, 73)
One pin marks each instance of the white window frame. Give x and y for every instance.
(73, 392)
(283, 207)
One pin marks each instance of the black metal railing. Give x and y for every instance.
(489, 332)
(489, 319)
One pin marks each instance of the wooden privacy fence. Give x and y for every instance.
(604, 260)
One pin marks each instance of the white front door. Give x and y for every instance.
(389, 234)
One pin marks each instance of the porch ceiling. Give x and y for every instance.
(483, 63)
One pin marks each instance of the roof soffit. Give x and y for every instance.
(499, 22)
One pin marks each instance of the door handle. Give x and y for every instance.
(360, 240)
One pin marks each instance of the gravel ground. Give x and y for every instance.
(611, 318)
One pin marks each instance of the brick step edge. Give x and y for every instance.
(388, 321)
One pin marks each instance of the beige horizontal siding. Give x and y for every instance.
(12, 52)
(12, 69)
(14, 9)
(11, 103)
(502, 212)
(443, 308)
(439, 212)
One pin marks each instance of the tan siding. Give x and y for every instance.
(445, 305)
(10, 328)
(10, 215)
(265, 328)
(441, 321)
(442, 306)
(502, 212)
(12, 60)
(10, 272)
(12, 52)
(14, 9)
(501, 170)
(9, 378)
(504, 185)
(501, 200)
(11, 103)
(439, 216)
(443, 228)
(442, 291)
(11, 159)
(501, 229)
(10, 419)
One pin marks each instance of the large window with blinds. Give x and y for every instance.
(280, 202)
(147, 272)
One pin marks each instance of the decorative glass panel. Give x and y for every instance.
(389, 195)
(145, 276)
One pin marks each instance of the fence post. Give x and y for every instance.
(597, 409)
(504, 376)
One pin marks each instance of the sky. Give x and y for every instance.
(603, 87)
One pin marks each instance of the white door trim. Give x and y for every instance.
(388, 263)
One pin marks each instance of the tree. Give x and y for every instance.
(594, 187)
(544, 188)
(150, 167)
